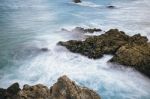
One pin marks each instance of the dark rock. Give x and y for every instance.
(138, 39)
(89, 30)
(92, 30)
(111, 7)
(44, 49)
(13, 89)
(2, 93)
(77, 1)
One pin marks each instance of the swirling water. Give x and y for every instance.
(28, 25)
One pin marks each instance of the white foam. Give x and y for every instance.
(89, 4)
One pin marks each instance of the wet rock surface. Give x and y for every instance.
(86, 30)
(83, 30)
(132, 51)
(67, 89)
(96, 46)
(64, 88)
(137, 56)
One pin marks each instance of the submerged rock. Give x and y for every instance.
(88, 30)
(77, 1)
(111, 7)
(132, 51)
(64, 88)
(44, 49)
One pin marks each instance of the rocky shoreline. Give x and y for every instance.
(64, 88)
(133, 51)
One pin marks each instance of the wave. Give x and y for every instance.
(89, 4)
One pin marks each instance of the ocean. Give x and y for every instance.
(26, 26)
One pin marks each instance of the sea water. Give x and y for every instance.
(26, 26)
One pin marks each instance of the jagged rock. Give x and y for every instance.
(77, 1)
(96, 46)
(134, 55)
(34, 92)
(138, 39)
(11, 92)
(88, 30)
(67, 89)
(2, 93)
(64, 88)
(13, 89)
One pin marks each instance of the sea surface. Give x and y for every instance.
(26, 26)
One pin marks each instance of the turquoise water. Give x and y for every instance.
(26, 26)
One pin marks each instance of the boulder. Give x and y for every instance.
(13, 89)
(134, 55)
(67, 89)
(12, 92)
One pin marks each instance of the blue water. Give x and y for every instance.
(28, 25)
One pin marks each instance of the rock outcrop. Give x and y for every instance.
(96, 46)
(67, 89)
(64, 88)
(11, 92)
(137, 56)
(132, 51)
